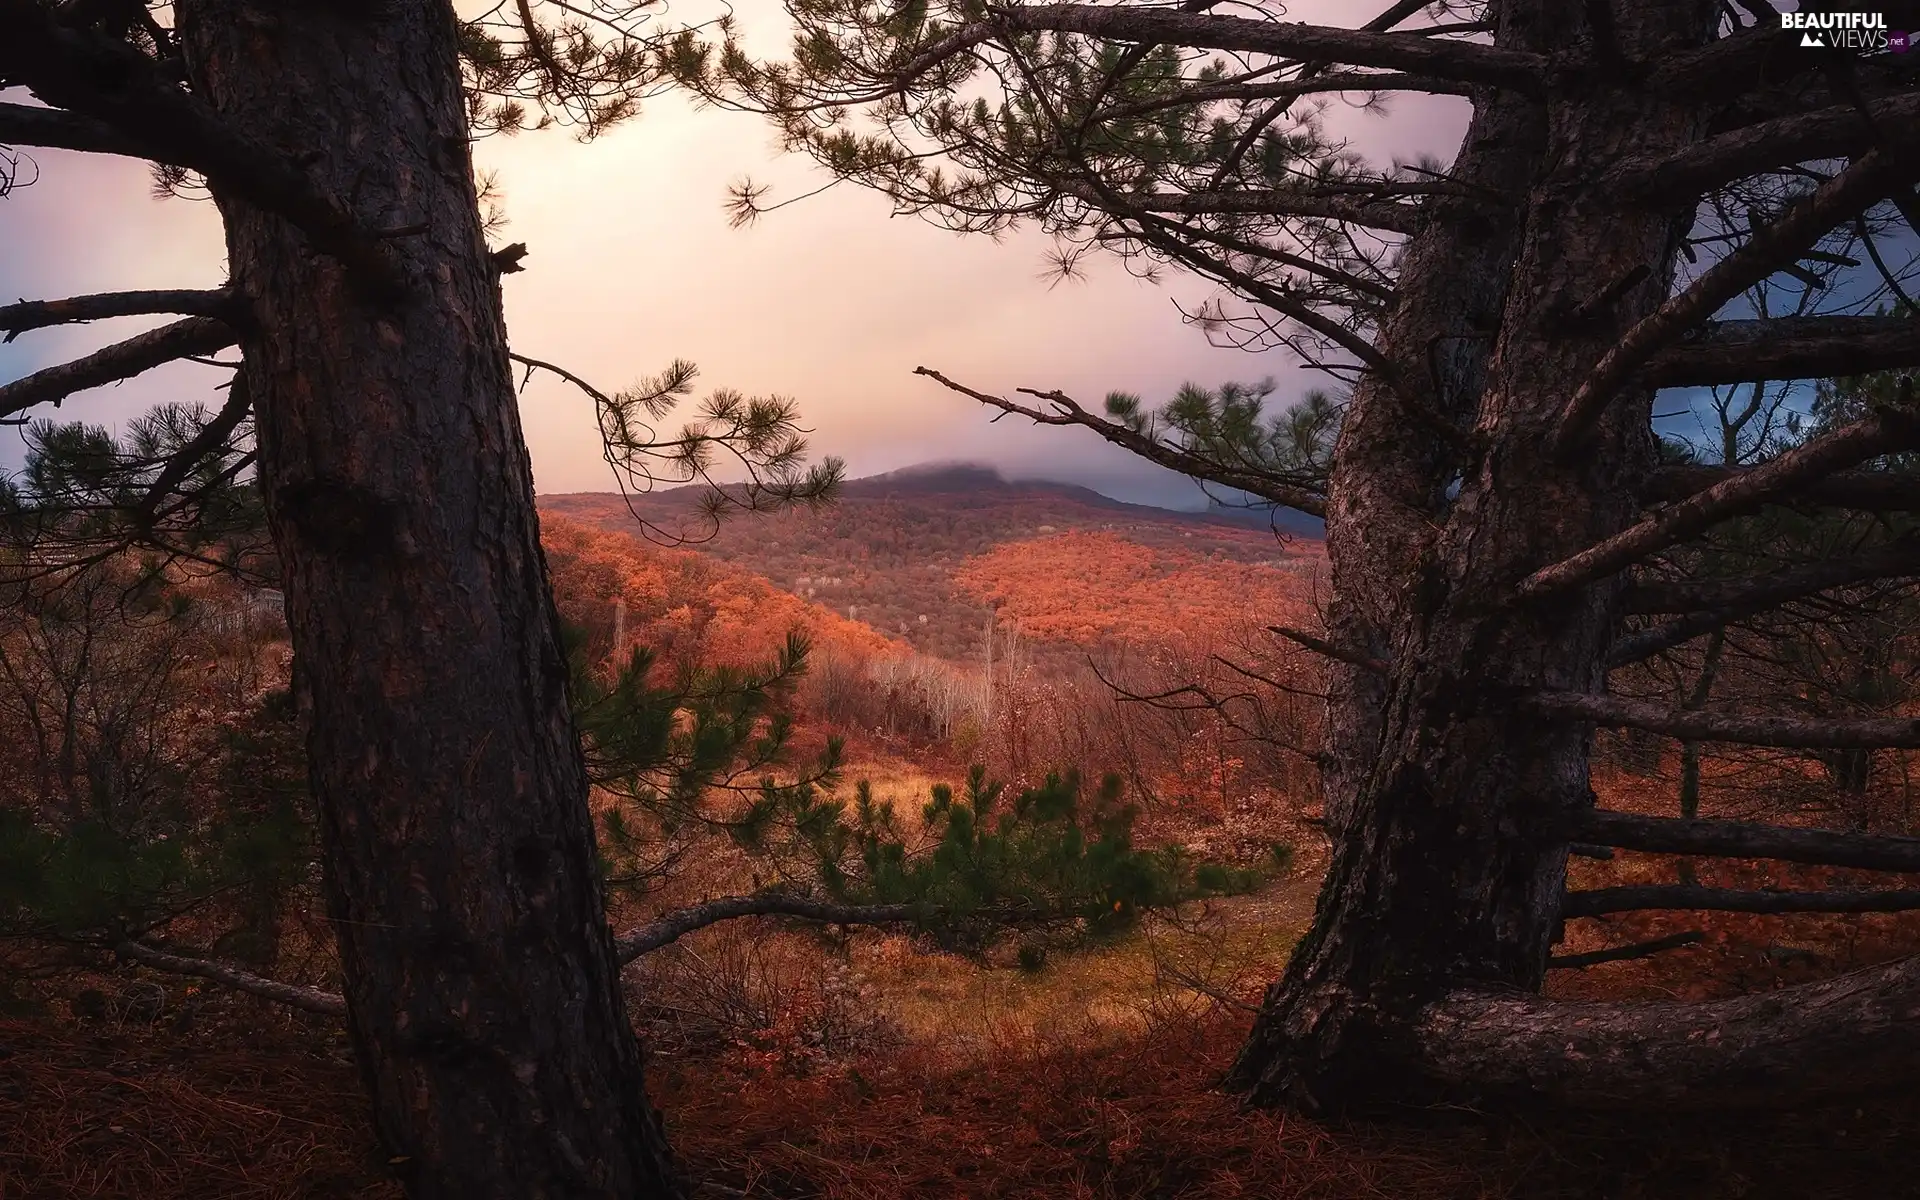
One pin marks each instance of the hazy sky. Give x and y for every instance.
(632, 264)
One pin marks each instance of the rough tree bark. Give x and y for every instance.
(481, 982)
(1386, 485)
(1448, 873)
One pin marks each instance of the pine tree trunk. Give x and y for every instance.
(483, 994)
(1446, 871)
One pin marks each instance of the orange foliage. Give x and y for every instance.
(1089, 586)
(682, 603)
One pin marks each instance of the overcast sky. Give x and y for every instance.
(632, 264)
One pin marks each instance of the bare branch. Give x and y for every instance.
(56, 129)
(1172, 457)
(1327, 649)
(1741, 839)
(122, 360)
(65, 66)
(1576, 962)
(663, 931)
(1868, 491)
(1840, 131)
(1701, 725)
(1703, 72)
(16, 319)
(1742, 596)
(1787, 348)
(306, 999)
(1645, 643)
(1855, 190)
(1287, 39)
(1886, 431)
(1601, 901)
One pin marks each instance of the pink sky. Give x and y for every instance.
(633, 264)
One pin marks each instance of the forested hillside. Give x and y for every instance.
(913, 555)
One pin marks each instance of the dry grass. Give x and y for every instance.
(1140, 1118)
(793, 1064)
(1093, 1078)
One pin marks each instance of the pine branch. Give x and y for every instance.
(122, 360)
(1301, 312)
(1345, 81)
(306, 999)
(1602, 901)
(1889, 430)
(211, 437)
(16, 319)
(1392, 217)
(1577, 962)
(1840, 131)
(1863, 184)
(1069, 412)
(1741, 839)
(665, 930)
(1787, 348)
(1702, 725)
(1334, 275)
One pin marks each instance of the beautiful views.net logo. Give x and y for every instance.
(1845, 31)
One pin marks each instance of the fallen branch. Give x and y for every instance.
(1640, 898)
(1578, 962)
(306, 999)
(1702, 725)
(122, 360)
(1740, 839)
(1857, 1033)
